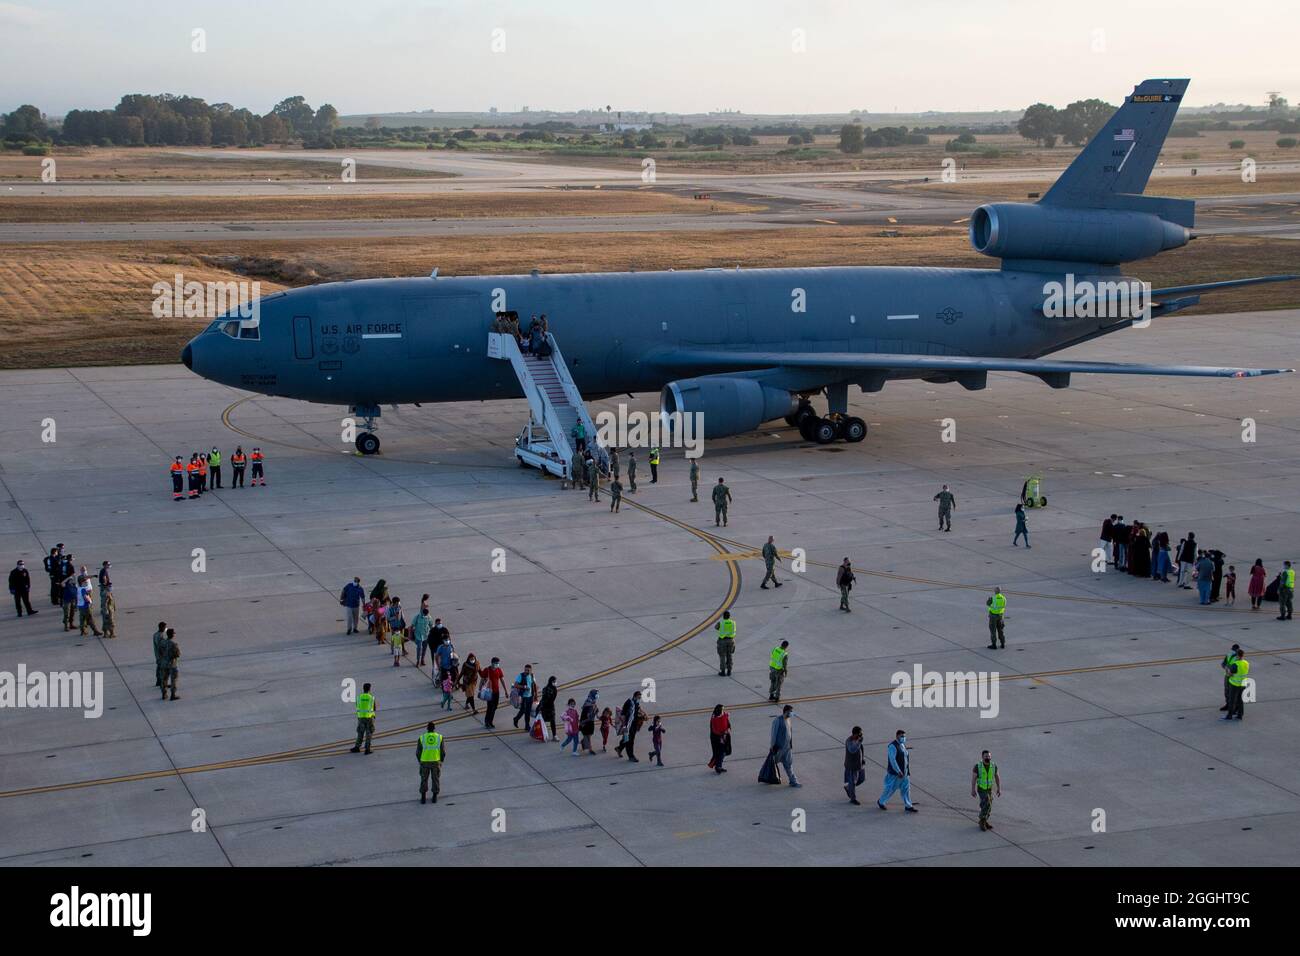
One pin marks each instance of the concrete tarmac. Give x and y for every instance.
(1108, 690)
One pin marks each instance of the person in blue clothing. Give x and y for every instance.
(351, 598)
(445, 652)
(1204, 575)
(898, 773)
(527, 688)
(421, 625)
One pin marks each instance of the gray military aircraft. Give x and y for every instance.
(747, 346)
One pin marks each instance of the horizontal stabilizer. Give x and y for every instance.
(1226, 284)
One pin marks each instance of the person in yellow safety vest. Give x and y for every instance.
(430, 752)
(1229, 660)
(365, 718)
(258, 473)
(778, 665)
(1285, 591)
(192, 474)
(726, 629)
(984, 780)
(178, 479)
(654, 466)
(214, 466)
(997, 606)
(238, 461)
(1237, 689)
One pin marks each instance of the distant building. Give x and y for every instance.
(625, 127)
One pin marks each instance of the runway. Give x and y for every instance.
(1109, 686)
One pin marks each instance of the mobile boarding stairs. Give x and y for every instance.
(555, 407)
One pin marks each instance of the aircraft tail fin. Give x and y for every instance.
(1113, 168)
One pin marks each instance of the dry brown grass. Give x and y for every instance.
(340, 205)
(1181, 187)
(117, 164)
(89, 304)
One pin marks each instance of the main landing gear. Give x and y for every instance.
(367, 442)
(836, 426)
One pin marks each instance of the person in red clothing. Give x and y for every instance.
(192, 475)
(1256, 587)
(496, 678)
(719, 737)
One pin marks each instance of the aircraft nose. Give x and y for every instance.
(187, 356)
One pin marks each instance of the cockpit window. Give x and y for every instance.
(239, 330)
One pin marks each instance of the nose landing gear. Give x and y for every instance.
(367, 442)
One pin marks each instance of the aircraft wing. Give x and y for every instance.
(963, 368)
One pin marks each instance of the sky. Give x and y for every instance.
(667, 56)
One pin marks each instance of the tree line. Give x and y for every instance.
(142, 119)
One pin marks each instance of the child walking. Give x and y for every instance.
(448, 685)
(606, 723)
(570, 726)
(657, 739)
(1230, 585)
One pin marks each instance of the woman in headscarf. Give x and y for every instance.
(1139, 551)
(549, 693)
(587, 722)
(1257, 586)
(469, 682)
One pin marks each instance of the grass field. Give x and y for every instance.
(1182, 187)
(89, 304)
(340, 205)
(1011, 152)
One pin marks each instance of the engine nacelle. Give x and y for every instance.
(1063, 234)
(729, 405)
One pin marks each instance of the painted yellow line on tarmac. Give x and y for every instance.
(338, 747)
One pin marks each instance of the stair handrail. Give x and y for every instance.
(575, 399)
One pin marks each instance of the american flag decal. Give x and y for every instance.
(1124, 136)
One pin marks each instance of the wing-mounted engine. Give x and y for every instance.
(728, 404)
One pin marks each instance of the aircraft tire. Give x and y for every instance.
(800, 415)
(806, 426)
(855, 429)
(368, 443)
(824, 431)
